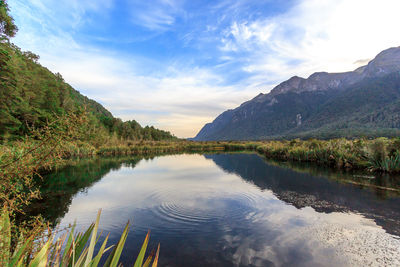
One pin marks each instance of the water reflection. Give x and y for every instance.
(228, 209)
(58, 188)
(324, 195)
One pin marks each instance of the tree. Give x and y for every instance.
(8, 94)
(32, 56)
(7, 27)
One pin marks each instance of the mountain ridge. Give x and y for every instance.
(295, 105)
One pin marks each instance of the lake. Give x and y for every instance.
(231, 210)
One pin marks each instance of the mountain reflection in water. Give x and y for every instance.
(324, 195)
(228, 210)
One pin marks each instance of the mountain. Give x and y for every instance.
(33, 96)
(363, 102)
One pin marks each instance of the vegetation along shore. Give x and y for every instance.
(45, 124)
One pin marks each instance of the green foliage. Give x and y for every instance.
(32, 96)
(20, 242)
(70, 250)
(7, 27)
(40, 151)
(379, 154)
(43, 120)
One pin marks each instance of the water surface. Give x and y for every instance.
(229, 210)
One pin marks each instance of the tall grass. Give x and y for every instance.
(47, 148)
(378, 155)
(72, 249)
(21, 242)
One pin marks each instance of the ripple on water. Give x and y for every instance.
(191, 212)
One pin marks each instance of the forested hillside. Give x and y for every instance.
(33, 96)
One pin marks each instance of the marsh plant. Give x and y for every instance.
(48, 147)
(30, 241)
(71, 249)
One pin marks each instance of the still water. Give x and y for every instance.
(230, 210)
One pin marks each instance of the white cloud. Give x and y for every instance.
(179, 100)
(165, 100)
(156, 15)
(316, 36)
(62, 13)
(312, 36)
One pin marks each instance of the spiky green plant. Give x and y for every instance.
(75, 250)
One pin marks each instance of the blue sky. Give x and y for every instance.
(177, 64)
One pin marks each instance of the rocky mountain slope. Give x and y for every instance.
(363, 102)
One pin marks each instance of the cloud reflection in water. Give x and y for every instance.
(207, 211)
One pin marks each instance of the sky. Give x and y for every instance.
(177, 64)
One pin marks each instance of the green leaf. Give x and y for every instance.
(79, 261)
(40, 260)
(96, 259)
(82, 241)
(113, 258)
(18, 253)
(139, 260)
(67, 250)
(92, 240)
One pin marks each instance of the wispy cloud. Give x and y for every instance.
(158, 15)
(183, 100)
(314, 35)
(186, 62)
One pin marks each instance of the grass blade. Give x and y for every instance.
(18, 253)
(155, 262)
(81, 258)
(67, 250)
(149, 258)
(82, 241)
(92, 240)
(113, 259)
(96, 259)
(139, 260)
(40, 260)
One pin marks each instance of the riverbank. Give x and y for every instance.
(21, 161)
(378, 155)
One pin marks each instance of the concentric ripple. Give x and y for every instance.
(237, 212)
(185, 212)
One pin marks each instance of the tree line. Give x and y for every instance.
(31, 96)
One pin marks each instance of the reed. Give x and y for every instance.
(71, 249)
(50, 147)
